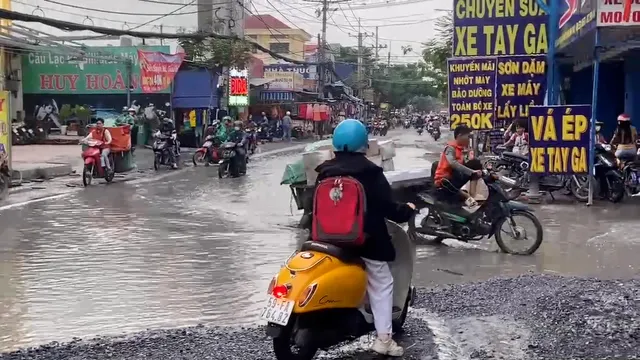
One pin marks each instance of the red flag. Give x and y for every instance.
(157, 69)
(626, 13)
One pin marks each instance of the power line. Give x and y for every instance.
(120, 12)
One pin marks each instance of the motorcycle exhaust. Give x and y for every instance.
(435, 232)
(508, 182)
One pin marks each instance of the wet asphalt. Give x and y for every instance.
(175, 250)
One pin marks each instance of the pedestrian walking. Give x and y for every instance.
(286, 126)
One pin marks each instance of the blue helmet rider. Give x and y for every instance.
(350, 136)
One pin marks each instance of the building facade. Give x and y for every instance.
(276, 36)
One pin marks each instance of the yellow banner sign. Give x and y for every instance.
(5, 127)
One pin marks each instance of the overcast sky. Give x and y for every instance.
(400, 22)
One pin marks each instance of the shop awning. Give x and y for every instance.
(195, 89)
(259, 81)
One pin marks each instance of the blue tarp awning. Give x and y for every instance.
(195, 89)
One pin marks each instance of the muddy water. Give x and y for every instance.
(192, 249)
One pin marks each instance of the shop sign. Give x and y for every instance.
(578, 17)
(307, 71)
(290, 81)
(238, 87)
(559, 139)
(496, 28)
(618, 13)
(103, 70)
(487, 93)
(5, 127)
(157, 70)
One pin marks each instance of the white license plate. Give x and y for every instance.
(277, 311)
(207, 144)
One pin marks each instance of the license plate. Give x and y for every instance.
(277, 311)
(207, 144)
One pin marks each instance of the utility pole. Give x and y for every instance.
(359, 83)
(377, 46)
(321, 51)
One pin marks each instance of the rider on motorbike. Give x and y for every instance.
(457, 167)
(350, 143)
(100, 133)
(239, 137)
(224, 129)
(167, 128)
(624, 138)
(600, 139)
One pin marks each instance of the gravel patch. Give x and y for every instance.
(563, 317)
(527, 317)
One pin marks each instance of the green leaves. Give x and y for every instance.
(212, 53)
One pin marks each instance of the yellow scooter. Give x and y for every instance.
(318, 298)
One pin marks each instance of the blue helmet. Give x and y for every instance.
(350, 136)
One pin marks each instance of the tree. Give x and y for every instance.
(424, 103)
(397, 84)
(438, 49)
(212, 53)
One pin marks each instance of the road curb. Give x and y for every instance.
(43, 172)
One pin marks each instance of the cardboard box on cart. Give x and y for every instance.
(323, 153)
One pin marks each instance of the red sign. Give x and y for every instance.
(157, 69)
(239, 86)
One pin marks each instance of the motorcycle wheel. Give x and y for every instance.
(87, 175)
(579, 186)
(222, 169)
(199, 157)
(284, 349)
(417, 237)
(536, 223)
(616, 190)
(5, 181)
(398, 324)
(156, 162)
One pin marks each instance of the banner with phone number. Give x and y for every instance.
(559, 139)
(472, 83)
(157, 69)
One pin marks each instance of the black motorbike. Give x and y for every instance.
(406, 124)
(609, 180)
(435, 133)
(264, 132)
(420, 130)
(231, 163)
(451, 221)
(164, 152)
(252, 139)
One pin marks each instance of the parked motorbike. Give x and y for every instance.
(208, 152)
(229, 165)
(92, 163)
(5, 175)
(609, 180)
(163, 150)
(452, 221)
(316, 299)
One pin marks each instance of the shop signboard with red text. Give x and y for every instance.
(618, 13)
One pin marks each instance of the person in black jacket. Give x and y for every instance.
(350, 143)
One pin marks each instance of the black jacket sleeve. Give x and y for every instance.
(394, 211)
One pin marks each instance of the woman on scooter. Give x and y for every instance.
(350, 143)
(99, 133)
(624, 138)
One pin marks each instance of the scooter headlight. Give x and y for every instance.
(307, 294)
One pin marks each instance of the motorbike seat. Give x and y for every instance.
(509, 154)
(343, 254)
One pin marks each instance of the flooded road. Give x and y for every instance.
(190, 248)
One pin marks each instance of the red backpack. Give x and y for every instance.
(339, 205)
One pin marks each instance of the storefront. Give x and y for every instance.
(101, 80)
(194, 101)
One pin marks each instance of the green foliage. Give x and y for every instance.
(212, 53)
(398, 84)
(424, 103)
(65, 113)
(438, 49)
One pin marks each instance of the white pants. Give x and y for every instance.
(380, 292)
